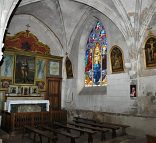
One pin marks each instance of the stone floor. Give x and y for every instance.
(17, 138)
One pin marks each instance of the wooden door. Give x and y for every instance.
(54, 92)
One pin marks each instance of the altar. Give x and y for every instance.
(27, 105)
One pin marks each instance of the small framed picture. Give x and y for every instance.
(133, 92)
(54, 68)
(13, 90)
(25, 90)
(19, 91)
(41, 85)
(5, 83)
(34, 90)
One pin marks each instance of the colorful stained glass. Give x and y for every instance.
(96, 57)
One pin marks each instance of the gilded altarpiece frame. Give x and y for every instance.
(28, 68)
(24, 48)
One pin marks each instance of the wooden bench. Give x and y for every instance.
(40, 133)
(57, 131)
(111, 127)
(70, 127)
(151, 139)
(103, 131)
(86, 119)
(122, 126)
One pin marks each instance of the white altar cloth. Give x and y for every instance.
(10, 102)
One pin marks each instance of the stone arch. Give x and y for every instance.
(106, 10)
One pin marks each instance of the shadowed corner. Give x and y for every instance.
(1, 62)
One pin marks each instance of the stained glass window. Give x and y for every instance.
(96, 57)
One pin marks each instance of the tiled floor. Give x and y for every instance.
(17, 138)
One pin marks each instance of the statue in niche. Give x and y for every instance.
(69, 70)
(150, 52)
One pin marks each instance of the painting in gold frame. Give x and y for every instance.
(150, 51)
(33, 90)
(25, 90)
(55, 68)
(24, 69)
(40, 69)
(5, 82)
(12, 90)
(41, 85)
(7, 66)
(116, 58)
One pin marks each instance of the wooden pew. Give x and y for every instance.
(70, 127)
(103, 131)
(64, 133)
(151, 139)
(111, 127)
(86, 119)
(40, 133)
(122, 126)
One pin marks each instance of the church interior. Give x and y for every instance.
(76, 71)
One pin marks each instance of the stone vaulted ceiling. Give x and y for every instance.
(132, 17)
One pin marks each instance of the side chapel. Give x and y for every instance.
(75, 66)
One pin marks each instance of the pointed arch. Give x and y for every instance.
(96, 57)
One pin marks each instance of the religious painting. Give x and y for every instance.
(5, 83)
(133, 92)
(116, 58)
(150, 52)
(41, 85)
(12, 90)
(24, 70)
(19, 92)
(25, 90)
(40, 69)
(133, 89)
(69, 69)
(34, 90)
(7, 66)
(54, 68)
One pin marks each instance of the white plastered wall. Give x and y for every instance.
(117, 98)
